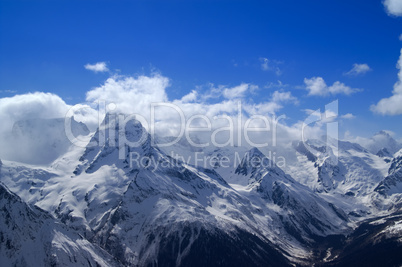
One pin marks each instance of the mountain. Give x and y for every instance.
(384, 153)
(148, 205)
(197, 202)
(342, 167)
(380, 141)
(392, 183)
(124, 205)
(29, 235)
(304, 214)
(376, 242)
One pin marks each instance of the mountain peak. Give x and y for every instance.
(252, 160)
(254, 165)
(382, 139)
(256, 152)
(384, 133)
(114, 142)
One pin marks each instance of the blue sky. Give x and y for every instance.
(44, 46)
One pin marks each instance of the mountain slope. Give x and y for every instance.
(392, 183)
(120, 203)
(303, 213)
(30, 235)
(380, 141)
(148, 207)
(376, 242)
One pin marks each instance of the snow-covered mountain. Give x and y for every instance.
(376, 242)
(380, 142)
(30, 236)
(302, 211)
(392, 183)
(342, 167)
(148, 206)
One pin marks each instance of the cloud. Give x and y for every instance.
(26, 107)
(190, 97)
(97, 67)
(348, 116)
(135, 95)
(393, 7)
(358, 69)
(236, 92)
(131, 94)
(321, 118)
(270, 65)
(400, 37)
(278, 84)
(8, 91)
(217, 92)
(316, 86)
(281, 97)
(392, 105)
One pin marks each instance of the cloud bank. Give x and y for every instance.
(29, 106)
(137, 95)
(393, 104)
(29, 121)
(147, 98)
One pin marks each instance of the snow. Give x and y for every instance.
(96, 193)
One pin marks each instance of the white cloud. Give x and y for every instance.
(131, 94)
(270, 65)
(400, 37)
(359, 69)
(341, 88)
(393, 7)
(317, 86)
(214, 92)
(190, 97)
(134, 95)
(8, 91)
(278, 84)
(393, 104)
(97, 67)
(270, 107)
(321, 118)
(26, 107)
(348, 116)
(236, 92)
(279, 97)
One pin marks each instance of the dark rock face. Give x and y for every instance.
(393, 182)
(30, 236)
(301, 148)
(216, 248)
(376, 242)
(384, 153)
